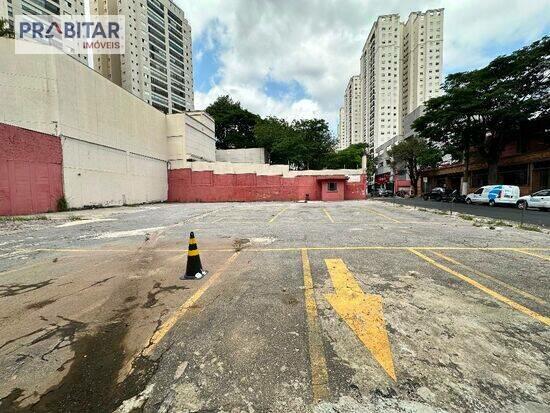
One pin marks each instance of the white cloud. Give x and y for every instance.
(317, 43)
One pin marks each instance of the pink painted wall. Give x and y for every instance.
(185, 185)
(30, 171)
(337, 195)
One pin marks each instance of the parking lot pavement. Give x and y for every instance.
(326, 307)
(530, 216)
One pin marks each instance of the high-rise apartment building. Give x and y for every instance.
(400, 68)
(158, 63)
(381, 81)
(11, 8)
(342, 134)
(422, 58)
(352, 106)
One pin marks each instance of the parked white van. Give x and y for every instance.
(494, 194)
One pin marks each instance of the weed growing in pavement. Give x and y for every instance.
(466, 217)
(500, 223)
(529, 228)
(75, 218)
(20, 219)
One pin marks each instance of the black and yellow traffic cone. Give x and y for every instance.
(194, 268)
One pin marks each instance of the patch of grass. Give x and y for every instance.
(500, 223)
(75, 218)
(62, 204)
(466, 217)
(23, 219)
(423, 209)
(530, 228)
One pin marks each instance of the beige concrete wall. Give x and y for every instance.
(265, 169)
(114, 145)
(250, 155)
(190, 138)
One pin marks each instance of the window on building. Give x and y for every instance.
(332, 187)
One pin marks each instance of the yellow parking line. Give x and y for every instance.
(544, 257)
(489, 277)
(170, 322)
(279, 213)
(319, 372)
(494, 294)
(328, 215)
(382, 215)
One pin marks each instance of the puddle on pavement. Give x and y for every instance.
(90, 384)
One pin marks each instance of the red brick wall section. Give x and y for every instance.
(30, 171)
(185, 185)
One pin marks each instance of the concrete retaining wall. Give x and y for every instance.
(114, 144)
(186, 185)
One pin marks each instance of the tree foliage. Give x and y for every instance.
(483, 109)
(417, 154)
(302, 144)
(5, 29)
(351, 157)
(234, 125)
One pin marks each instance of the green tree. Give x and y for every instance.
(302, 144)
(314, 142)
(269, 133)
(350, 157)
(449, 121)
(417, 154)
(234, 125)
(485, 108)
(5, 29)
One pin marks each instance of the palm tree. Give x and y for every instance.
(5, 29)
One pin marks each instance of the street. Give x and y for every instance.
(530, 216)
(356, 306)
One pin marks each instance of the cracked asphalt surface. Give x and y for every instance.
(94, 317)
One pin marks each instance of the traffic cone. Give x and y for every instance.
(194, 270)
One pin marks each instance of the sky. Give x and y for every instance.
(293, 58)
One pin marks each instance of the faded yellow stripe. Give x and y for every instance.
(361, 312)
(192, 241)
(494, 294)
(328, 215)
(193, 253)
(180, 312)
(382, 215)
(544, 257)
(319, 372)
(489, 277)
(279, 213)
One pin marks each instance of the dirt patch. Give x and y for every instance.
(240, 243)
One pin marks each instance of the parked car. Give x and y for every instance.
(435, 194)
(381, 192)
(540, 199)
(494, 195)
(453, 196)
